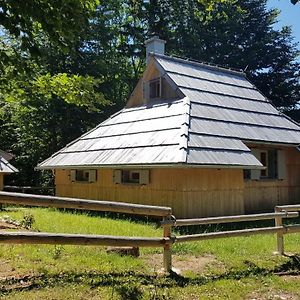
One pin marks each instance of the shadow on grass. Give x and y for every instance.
(97, 279)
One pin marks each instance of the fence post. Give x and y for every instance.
(167, 256)
(280, 242)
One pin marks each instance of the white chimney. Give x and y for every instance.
(154, 45)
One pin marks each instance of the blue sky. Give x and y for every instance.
(290, 15)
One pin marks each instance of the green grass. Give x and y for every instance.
(241, 268)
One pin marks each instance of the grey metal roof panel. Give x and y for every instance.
(244, 131)
(221, 110)
(146, 155)
(222, 157)
(156, 138)
(214, 87)
(199, 70)
(135, 136)
(156, 110)
(229, 101)
(6, 167)
(150, 125)
(246, 117)
(216, 142)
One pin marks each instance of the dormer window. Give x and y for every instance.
(155, 89)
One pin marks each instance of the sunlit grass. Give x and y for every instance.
(248, 265)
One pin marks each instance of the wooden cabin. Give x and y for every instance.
(196, 137)
(5, 167)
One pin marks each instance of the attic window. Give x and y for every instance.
(155, 89)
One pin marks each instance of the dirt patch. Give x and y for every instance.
(184, 263)
(272, 295)
(11, 279)
(5, 225)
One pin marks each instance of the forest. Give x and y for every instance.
(66, 66)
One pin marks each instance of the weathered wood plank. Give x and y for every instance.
(79, 239)
(230, 219)
(62, 202)
(236, 233)
(295, 207)
(227, 234)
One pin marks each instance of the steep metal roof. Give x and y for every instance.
(221, 111)
(6, 167)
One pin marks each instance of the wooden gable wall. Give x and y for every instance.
(137, 97)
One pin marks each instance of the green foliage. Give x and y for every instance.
(28, 220)
(59, 21)
(63, 63)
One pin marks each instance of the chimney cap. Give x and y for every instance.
(156, 39)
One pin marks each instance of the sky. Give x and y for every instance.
(290, 15)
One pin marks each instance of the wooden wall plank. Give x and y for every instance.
(190, 192)
(1, 181)
(263, 195)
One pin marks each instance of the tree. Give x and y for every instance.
(238, 35)
(59, 21)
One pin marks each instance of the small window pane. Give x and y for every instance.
(82, 175)
(130, 176)
(154, 89)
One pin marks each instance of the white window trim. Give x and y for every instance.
(144, 176)
(92, 176)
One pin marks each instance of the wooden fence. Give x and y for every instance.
(165, 213)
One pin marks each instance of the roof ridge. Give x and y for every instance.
(202, 64)
(184, 132)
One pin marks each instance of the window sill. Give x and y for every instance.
(82, 182)
(264, 179)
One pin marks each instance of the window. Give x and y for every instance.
(264, 159)
(131, 176)
(273, 161)
(155, 88)
(83, 175)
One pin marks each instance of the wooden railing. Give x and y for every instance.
(165, 213)
(78, 239)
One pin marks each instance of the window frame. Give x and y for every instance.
(88, 175)
(274, 162)
(126, 176)
(158, 89)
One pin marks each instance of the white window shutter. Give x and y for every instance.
(92, 175)
(73, 175)
(144, 177)
(117, 176)
(281, 164)
(255, 174)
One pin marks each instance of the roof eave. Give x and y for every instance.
(152, 166)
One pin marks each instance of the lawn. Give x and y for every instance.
(234, 268)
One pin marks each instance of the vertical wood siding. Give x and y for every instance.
(190, 192)
(1, 182)
(264, 195)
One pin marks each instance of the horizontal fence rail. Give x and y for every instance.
(80, 239)
(281, 212)
(75, 203)
(231, 219)
(236, 233)
(288, 207)
(27, 188)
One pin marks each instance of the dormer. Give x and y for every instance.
(154, 86)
